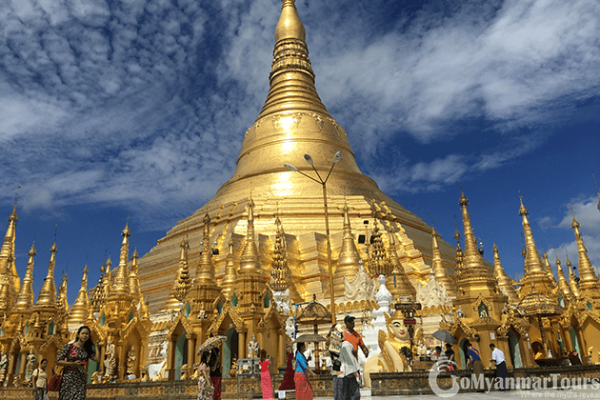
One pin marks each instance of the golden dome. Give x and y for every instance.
(539, 305)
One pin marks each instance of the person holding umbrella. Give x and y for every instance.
(214, 363)
(205, 386)
(208, 362)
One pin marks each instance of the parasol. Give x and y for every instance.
(444, 336)
(309, 338)
(212, 343)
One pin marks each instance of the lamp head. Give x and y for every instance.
(308, 159)
(337, 157)
(290, 167)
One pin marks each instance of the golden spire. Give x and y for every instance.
(473, 274)
(108, 275)
(572, 281)
(349, 257)
(250, 282)
(228, 282)
(589, 280)
(24, 303)
(292, 122)
(205, 271)
(62, 301)
(471, 257)
(173, 302)
(400, 285)
(120, 282)
(534, 269)
(134, 281)
(101, 292)
(563, 286)
(292, 79)
(440, 272)
(47, 296)
(504, 281)
(436, 262)
(379, 264)
(280, 272)
(8, 270)
(249, 261)
(533, 263)
(184, 281)
(458, 258)
(548, 269)
(80, 308)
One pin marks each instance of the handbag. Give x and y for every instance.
(55, 381)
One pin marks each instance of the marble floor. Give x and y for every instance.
(587, 393)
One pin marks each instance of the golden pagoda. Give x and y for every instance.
(292, 122)
(479, 305)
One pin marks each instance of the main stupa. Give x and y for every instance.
(292, 122)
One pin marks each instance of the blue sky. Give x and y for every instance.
(137, 108)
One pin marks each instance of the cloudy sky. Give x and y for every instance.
(137, 108)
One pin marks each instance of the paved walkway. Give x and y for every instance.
(587, 393)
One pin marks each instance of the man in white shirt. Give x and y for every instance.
(501, 370)
(348, 371)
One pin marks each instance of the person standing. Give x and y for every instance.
(205, 387)
(266, 382)
(450, 356)
(39, 380)
(350, 335)
(74, 358)
(476, 364)
(304, 389)
(349, 371)
(215, 372)
(335, 339)
(501, 370)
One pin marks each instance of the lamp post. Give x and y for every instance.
(323, 182)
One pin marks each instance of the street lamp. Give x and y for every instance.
(323, 182)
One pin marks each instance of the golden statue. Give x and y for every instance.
(395, 348)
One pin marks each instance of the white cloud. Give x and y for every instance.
(149, 98)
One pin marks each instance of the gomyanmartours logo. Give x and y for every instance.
(481, 383)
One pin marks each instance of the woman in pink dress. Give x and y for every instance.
(265, 376)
